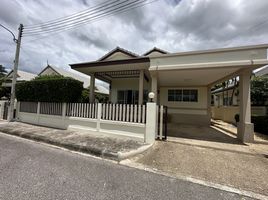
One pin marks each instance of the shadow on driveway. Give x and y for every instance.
(201, 133)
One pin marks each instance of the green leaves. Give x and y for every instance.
(50, 89)
(259, 90)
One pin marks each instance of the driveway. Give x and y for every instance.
(29, 170)
(229, 164)
(200, 133)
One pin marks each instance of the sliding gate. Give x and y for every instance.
(162, 122)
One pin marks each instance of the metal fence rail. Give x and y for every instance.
(48, 108)
(162, 122)
(114, 112)
(85, 110)
(30, 107)
(124, 113)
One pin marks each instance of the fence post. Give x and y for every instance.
(38, 112)
(99, 111)
(63, 110)
(151, 123)
(17, 110)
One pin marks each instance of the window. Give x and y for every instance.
(184, 95)
(127, 96)
(174, 95)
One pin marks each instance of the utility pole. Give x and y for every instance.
(15, 71)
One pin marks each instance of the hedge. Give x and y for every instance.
(57, 89)
(260, 124)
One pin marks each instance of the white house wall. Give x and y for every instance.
(186, 112)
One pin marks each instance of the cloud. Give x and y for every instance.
(173, 25)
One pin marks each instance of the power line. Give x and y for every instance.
(70, 16)
(100, 18)
(85, 20)
(77, 17)
(81, 19)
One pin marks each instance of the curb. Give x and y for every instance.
(123, 156)
(103, 153)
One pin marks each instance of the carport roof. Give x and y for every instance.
(203, 68)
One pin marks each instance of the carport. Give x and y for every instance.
(201, 70)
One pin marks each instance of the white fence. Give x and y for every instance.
(84, 110)
(124, 113)
(131, 121)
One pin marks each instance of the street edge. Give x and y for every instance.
(226, 188)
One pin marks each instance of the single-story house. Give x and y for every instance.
(21, 76)
(181, 81)
(52, 70)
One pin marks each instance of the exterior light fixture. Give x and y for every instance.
(151, 96)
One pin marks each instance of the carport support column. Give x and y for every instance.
(92, 89)
(245, 131)
(141, 83)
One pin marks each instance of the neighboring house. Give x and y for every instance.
(180, 81)
(225, 96)
(229, 96)
(52, 70)
(21, 76)
(262, 72)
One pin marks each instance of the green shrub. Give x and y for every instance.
(50, 89)
(260, 124)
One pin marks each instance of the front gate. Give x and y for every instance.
(162, 122)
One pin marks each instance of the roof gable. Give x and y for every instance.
(118, 54)
(21, 75)
(155, 51)
(49, 70)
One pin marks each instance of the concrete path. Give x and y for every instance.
(245, 169)
(93, 143)
(29, 170)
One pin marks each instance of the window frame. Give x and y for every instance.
(182, 95)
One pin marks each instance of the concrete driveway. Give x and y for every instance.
(209, 154)
(200, 133)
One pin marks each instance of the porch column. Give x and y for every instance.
(245, 130)
(209, 104)
(92, 89)
(110, 92)
(141, 83)
(154, 87)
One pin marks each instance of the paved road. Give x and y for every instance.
(30, 170)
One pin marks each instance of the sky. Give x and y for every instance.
(172, 25)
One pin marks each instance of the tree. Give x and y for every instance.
(3, 71)
(4, 91)
(259, 90)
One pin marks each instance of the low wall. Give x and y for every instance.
(129, 130)
(133, 130)
(227, 113)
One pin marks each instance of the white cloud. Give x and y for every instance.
(173, 25)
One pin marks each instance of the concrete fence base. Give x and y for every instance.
(145, 132)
